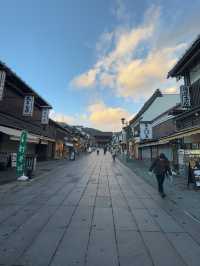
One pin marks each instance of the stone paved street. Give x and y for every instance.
(93, 212)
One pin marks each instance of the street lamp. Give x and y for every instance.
(126, 129)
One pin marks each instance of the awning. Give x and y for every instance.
(68, 144)
(185, 133)
(178, 135)
(160, 142)
(16, 133)
(46, 139)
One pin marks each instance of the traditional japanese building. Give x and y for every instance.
(187, 119)
(21, 108)
(143, 124)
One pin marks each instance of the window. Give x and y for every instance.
(195, 73)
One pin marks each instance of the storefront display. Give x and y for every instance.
(190, 159)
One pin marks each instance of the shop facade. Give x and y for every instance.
(21, 108)
(188, 121)
(150, 124)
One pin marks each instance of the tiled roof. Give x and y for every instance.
(179, 66)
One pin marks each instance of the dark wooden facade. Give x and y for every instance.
(11, 116)
(164, 129)
(189, 118)
(103, 138)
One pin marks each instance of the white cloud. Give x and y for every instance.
(104, 43)
(126, 73)
(86, 80)
(106, 118)
(142, 76)
(171, 90)
(59, 117)
(98, 116)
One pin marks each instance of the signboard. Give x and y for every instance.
(45, 116)
(185, 96)
(13, 159)
(21, 154)
(28, 105)
(146, 132)
(189, 152)
(2, 83)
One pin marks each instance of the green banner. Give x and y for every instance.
(21, 154)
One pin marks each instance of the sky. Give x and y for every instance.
(96, 61)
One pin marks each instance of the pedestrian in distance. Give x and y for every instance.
(72, 155)
(104, 150)
(113, 154)
(161, 168)
(97, 151)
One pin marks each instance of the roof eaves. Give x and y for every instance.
(46, 104)
(146, 105)
(174, 71)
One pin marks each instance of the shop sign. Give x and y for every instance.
(2, 83)
(28, 105)
(20, 167)
(45, 116)
(180, 151)
(188, 152)
(185, 96)
(146, 131)
(13, 159)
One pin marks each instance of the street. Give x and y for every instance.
(93, 212)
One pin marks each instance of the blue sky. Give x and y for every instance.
(96, 60)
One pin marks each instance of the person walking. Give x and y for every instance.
(113, 152)
(161, 167)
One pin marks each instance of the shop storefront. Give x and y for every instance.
(59, 149)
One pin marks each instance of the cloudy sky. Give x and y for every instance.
(96, 61)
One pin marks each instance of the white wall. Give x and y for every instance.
(160, 105)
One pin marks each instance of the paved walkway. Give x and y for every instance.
(97, 213)
(9, 175)
(180, 195)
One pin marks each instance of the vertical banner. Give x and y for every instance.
(45, 116)
(2, 83)
(28, 105)
(21, 154)
(185, 96)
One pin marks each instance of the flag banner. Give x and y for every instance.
(20, 166)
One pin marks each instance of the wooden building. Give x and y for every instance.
(187, 136)
(21, 108)
(147, 126)
(103, 138)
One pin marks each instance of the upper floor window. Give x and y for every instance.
(195, 73)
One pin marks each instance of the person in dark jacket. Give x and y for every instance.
(161, 167)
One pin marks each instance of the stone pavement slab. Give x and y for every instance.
(102, 248)
(95, 212)
(162, 252)
(186, 246)
(145, 221)
(132, 250)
